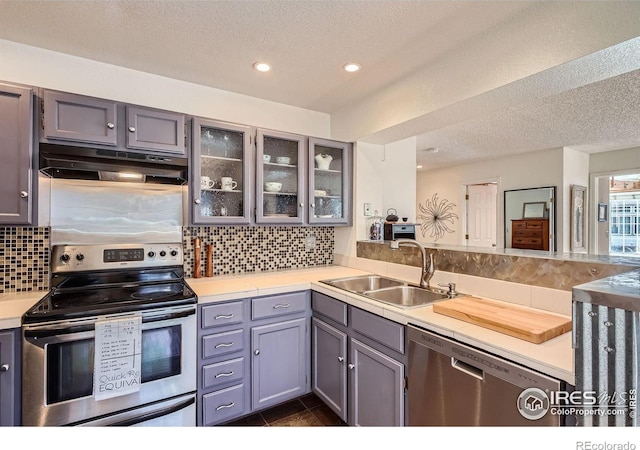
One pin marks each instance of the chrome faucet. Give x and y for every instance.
(427, 272)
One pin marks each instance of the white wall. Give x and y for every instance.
(617, 160)
(398, 178)
(43, 68)
(366, 189)
(385, 177)
(527, 170)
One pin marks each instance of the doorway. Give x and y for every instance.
(481, 214)
(617, 214)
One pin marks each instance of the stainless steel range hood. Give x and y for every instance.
(82, 163)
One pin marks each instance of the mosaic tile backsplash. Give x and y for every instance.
(24, 259)
(25, 252)
(238, 250)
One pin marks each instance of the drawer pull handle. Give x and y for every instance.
(224, 316)
(224, 374)
(281, 305)
(230, 405)
(224, 344)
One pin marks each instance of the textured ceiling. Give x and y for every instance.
(215, 43)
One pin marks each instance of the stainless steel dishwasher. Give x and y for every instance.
(454, 384)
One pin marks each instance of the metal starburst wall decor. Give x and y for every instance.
(435, 217)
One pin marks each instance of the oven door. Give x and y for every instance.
(58, 361)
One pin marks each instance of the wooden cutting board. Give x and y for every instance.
(518, 321)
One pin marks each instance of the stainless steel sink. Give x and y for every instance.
(388, 290)
(406, 296)
(365, 283)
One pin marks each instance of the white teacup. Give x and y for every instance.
(206, 183)
(272, 186)
(227, 184)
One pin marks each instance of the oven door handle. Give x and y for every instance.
(154, 414)
(71, 329)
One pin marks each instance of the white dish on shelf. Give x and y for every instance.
(283, 160)
(325, 216)
(319, 193)
(266, 158)
(272, 186)
(278, 215)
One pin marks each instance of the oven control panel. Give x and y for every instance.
(72, 258)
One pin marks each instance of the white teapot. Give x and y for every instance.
(323, 161)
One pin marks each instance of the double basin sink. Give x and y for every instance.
(389, 290)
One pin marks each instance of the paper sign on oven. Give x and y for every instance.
(118, 358)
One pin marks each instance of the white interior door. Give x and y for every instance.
(481, 214)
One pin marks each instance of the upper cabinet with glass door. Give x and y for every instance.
(330, 178)
(280, 177)
(221, 173)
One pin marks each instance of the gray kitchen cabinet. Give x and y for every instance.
(281, 177)
(223, 362)
(221, 179)
(74, 119)
(278, 366)
(16, 147)
(253, 353)
(280, 346)
(358, 363)
(376, 387)
(329, 367)
(77, 118)
(9, 378)
(151, 129)
(330, 182)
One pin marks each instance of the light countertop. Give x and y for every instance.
(553, 357)
(14, 305)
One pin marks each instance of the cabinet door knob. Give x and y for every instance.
(24, 194)
(110, 125)
(4, 368)
(301, 205)
(197, 201)
(132, 129)
(351, 366)
(312, 205)
(256, 352)
(340, 358)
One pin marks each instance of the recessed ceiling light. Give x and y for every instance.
(262, 67)
(431, 150)
(351, 67)
(419, 166)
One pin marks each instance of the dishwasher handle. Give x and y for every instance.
(467, 368)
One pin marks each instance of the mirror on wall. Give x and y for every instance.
(530, 218)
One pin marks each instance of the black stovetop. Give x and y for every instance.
(80, 295)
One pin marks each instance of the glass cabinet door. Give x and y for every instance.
(221, 178)
(280, 179)
(329, 182)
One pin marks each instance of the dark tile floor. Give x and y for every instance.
(305, 411)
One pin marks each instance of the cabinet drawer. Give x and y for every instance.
(534, 225)
(519, 225)
(223, 314)
(221, 373)
(329, 307)
(528, 233)
(223, 405)
(528, 241)
(384, 331)
(278, 305)
(222, 343)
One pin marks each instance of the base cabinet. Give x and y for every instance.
(358, 363)
(9, 378)
(253, 354)
(278, 367)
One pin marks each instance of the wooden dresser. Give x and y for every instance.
(532, 234)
